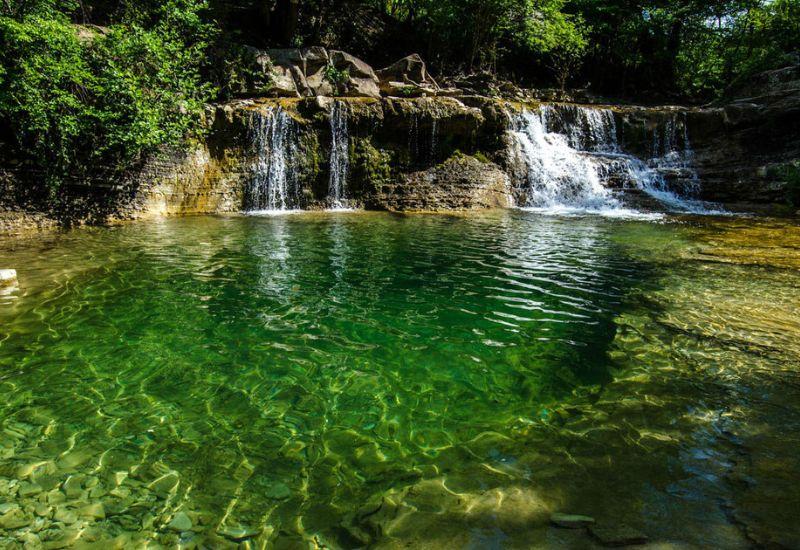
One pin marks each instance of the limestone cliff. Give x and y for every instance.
(423, 153)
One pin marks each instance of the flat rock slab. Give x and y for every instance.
(617, 535)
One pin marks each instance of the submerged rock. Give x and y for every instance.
(278, 491)
(571, 521)
(180, 522)
(238, 534)
(618, 535)
(15, 519)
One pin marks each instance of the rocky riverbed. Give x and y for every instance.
(641, 375)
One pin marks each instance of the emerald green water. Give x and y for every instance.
(347, 380)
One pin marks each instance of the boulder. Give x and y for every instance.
(306, 66)
(306, 72)
(279, 79)
(361, 80)
(407, 77)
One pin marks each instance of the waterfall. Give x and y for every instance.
(340, 156)
(274, 184)
(573, 162)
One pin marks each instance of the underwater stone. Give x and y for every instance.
(72, 487)
(29, 489)
(164, 485)
(14, 519)
(238, 534)
(180, 522)
(278, 491)
(55, 497)
(42, 510)
(94, 511)
(618, 535)
(65, 515)
(8, 277)
(68, 538)
(571, 521)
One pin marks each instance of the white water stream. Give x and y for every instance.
(274, 184)
(572, 153)
(340, 157)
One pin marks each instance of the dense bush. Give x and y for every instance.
(75, 98)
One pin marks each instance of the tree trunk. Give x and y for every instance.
(279, 21)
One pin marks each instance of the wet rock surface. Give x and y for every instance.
(460, 183)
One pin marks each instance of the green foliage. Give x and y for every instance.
(690, 48)
(78, 101)
(477, 34)
(19, 10)
(335, 76)
(44, 88)
(481, 157)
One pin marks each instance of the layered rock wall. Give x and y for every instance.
(424, 153)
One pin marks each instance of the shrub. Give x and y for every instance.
(74, 105)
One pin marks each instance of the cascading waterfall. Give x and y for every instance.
(340, 156)
(558, 176)
(273, 186)
(573, 160)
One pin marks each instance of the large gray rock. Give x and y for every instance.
(361, 80)
(409, 77)
(409, 70)
(314, 72)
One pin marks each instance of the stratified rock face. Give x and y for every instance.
(744, 153)
(460, 183)
(415, 153)
(402, 154)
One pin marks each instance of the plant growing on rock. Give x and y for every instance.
(337, 77)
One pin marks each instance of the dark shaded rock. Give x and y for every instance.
(409, 77)
(360, 81)
(618, 535)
